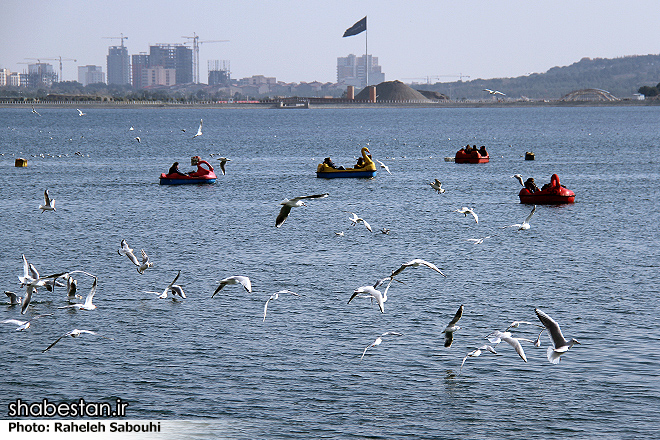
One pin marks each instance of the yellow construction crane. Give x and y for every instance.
(196, 43)
(436, 77)
(60, 59)
(122, 38)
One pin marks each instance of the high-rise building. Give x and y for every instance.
(139, 63)
(352, 70)
(4, 77)
(219, 73)
(176, 57)
(158, 76)
(118, 65)
(41, 75)
(90, 75)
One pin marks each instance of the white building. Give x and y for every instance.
(4, 77)
(352, 70)
(158, 76)
(90, 75)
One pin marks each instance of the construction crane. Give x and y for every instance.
(122, 38)
(436, 77)
(60, 59)
(196, 43)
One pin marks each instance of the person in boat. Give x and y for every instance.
(483, 151)
(360, 162)
(531, 185)
(468, 149)
(174, 169)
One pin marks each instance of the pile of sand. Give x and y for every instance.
(392, 91)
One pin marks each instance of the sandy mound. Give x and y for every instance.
(392, 91)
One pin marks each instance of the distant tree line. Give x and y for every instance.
(650, 91)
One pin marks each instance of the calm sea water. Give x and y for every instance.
(593, 266)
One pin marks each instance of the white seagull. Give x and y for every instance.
(168, 288)
(74, 334)
(276, 295)
(137, 138)
(49, 204)
(478, 240)
(476, 353)
(519, 177)
(371, 292)
(295, 202)
(437, 185)
(561, 345)
(452, 327)
(34, 111)
(80, 112)
(416, 263)
(199, 130)
(379, 340)
(494, 92)
(525, 224)
(497, 336)
(385, 167)
(355, 220)
(23, 325)
(126, 250)
(243, 281)
(13, 298)
(465, 210)
(87, 305)
(223, 161)
(146, 264)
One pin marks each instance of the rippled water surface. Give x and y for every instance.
(593, 266)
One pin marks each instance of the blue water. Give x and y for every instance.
(593, 266)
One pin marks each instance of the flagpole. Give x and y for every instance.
(366, 57)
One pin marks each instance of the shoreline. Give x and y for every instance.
(343, 105)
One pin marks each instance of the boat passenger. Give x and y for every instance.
(174, 169)
(483, 151)
(468, 149)
(360, 163)
(531, 185)
(329, 163)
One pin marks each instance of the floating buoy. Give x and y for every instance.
(20, 162)
(529, 155)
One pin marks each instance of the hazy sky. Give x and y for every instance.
(296, 40)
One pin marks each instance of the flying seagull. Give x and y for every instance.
(452, 327)
(34, 111)
(497, 336)
(199, 130)
(137, 138)
(244, 281)
(295, 202)
(24, 325)
(525, 224)
(146, 264)
(371, 292)
(13, 298)
(74, 334)
(80, 112)
(561, 345)
(355, 220)
(379, 340)
(416, 263)
(494, 92)
(437, 185)
(49, 204)
(476, 353)
(519, 177)
(465, 210)
(385, 167)
(126, 250)
(87, 305)
(223, 161)
(276, 295)
(168, 288)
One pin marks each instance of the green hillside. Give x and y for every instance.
(620, 76)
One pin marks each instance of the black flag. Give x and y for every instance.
(357, 28)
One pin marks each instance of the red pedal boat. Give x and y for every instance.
(555, 193)
(202, 175)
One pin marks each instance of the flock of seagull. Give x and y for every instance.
(30, 280)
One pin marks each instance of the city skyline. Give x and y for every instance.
(300, 41)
